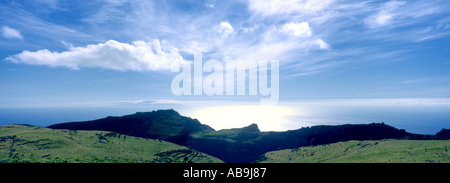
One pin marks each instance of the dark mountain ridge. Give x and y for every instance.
(166, 125)
(238, 144)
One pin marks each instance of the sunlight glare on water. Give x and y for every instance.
(268, 118)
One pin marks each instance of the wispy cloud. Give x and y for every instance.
(274, 7)
(374, 102)
(310, 35)
(322, 44)
(11, 33)
(386, 15)
(398, 15)
(19, 17)
(427, 80)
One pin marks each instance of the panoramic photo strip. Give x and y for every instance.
(260, 83)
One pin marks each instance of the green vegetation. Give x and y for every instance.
(378, 151)
(24, 143)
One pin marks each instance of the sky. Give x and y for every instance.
(114, 57)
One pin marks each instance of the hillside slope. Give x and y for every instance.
(24, 143)
(379, 151)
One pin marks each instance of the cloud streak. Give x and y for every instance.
(274, 7)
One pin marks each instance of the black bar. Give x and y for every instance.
(231, 172)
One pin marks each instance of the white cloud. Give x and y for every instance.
(297, 29)
(225, 28)
(322, 44)
(383, 19)
(274, 7)
(138, 56)
(11, 33)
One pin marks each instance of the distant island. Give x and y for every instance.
(166, 136)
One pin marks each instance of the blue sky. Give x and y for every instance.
(109, 53)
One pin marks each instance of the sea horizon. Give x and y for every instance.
(420, 116)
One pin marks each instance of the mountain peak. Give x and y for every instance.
(444, 134)
(156, 112)
(251, 128)
(160, 124)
